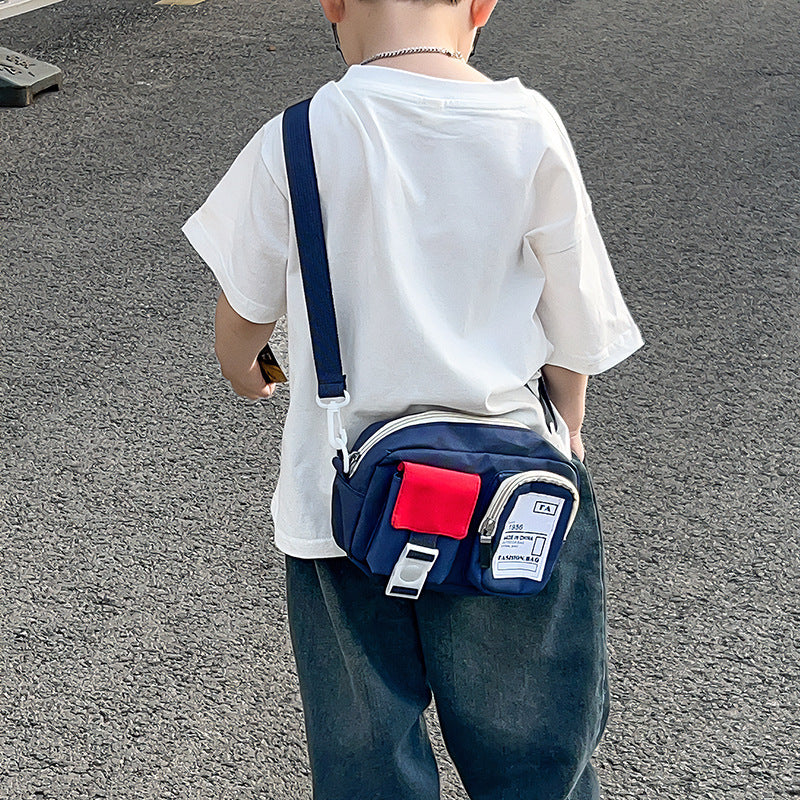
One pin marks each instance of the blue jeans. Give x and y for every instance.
(520, 684)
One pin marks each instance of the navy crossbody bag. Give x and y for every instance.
(440, 500)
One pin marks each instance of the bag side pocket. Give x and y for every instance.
(346, 508)
(528, 532)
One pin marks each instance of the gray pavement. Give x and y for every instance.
(143, 645)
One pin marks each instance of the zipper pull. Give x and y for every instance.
(355, 457)
(486, 545)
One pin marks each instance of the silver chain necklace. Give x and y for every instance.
(409, 50)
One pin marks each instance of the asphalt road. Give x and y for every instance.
(143, 644)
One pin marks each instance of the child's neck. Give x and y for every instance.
(385, 27)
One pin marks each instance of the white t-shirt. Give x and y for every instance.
(463, 255)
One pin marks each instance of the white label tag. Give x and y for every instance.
(526, 537)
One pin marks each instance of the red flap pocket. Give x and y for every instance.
(435, 500)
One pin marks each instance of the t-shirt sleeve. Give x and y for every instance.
(581, 308)
(242, 231)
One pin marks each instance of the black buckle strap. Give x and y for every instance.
(547, 406)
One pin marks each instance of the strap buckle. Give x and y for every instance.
(337, 435)
(411, 571)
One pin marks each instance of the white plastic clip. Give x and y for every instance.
(337, 435)
(411, 570)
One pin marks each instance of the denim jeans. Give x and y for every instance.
(520, 684)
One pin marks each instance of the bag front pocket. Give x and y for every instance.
(522, 532)
(424, 501)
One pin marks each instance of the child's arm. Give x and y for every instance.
(238, 342)
(567, 390)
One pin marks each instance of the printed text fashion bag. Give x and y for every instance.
(442, 500)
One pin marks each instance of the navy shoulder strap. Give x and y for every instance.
(314, 269)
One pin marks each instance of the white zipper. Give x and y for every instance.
(488, 526)
(426, 417)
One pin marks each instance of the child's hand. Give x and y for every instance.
(251, 384)
(576, 444)
(567, 390)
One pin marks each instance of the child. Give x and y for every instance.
(465, 262)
